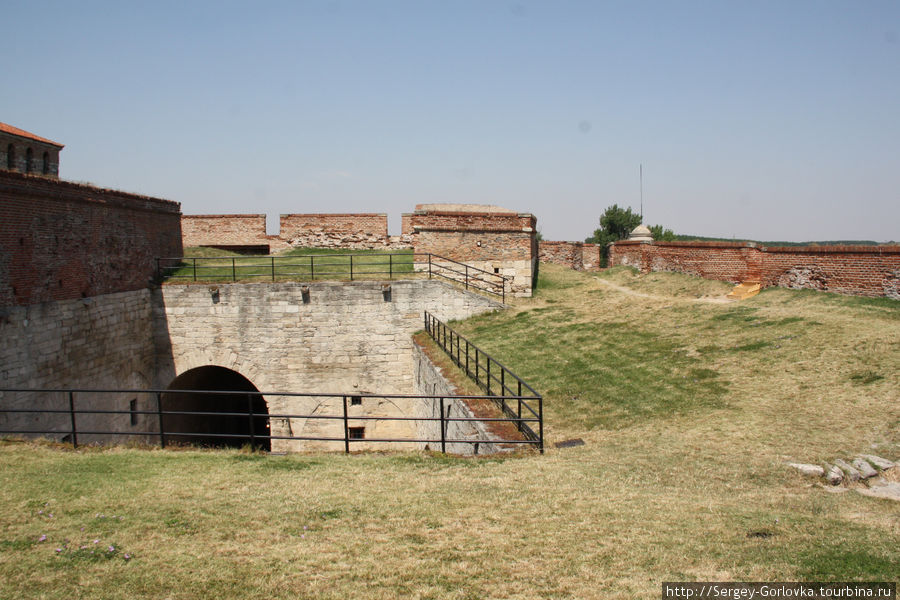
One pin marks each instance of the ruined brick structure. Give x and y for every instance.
(25, 152)
(495, 239)
(363, 231)
(491, 238)
(579, 256)
(325, 230)
(856, 270)
(62, 240)
(239, 232)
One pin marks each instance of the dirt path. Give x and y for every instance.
(631, 292)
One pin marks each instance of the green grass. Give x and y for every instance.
(682, 475)
(298, 264)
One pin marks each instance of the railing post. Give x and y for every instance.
(390, 266)
(467, 359)
(429, 265)
(541, 423)
(519, 411)
(162, 432)
(351, 267)
(346, 429)
(273, 268)
(502, 382)
(443, 429)
(72, 417)
(477, 366)
(467, 276)
(194, 260)
(488, 376)
(250, 420)
(312, 267)
(233, 270)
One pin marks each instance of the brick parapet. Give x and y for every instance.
(61, 240)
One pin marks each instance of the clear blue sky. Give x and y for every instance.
(766, 120)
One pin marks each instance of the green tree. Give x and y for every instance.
(662, 235)
(617, 223)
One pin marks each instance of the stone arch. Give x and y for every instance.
(45, 167)
(29, 160)
(11, 157)
(225, 404)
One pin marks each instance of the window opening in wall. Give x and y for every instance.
(355, 400)
(46, 168)
(132, 406)
(496, 269)
(357, 433)
(29, 160)
(11, 157)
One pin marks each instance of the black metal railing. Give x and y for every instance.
(311, 267)
(154, 420)
(501, 385)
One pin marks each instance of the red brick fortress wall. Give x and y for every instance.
(62, 240)
(856, 270)
(495, 240)
(365, 230)
(227, 230)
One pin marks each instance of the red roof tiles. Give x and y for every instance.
(22, 133)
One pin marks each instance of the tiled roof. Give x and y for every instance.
(4, 128)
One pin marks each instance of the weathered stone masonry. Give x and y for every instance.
(342, 338)
(575, 255)
(856, 270)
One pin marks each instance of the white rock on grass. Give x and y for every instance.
(865, 469)
(808, 470)
(882, 489)
(877, 461)
(833, 475)
(851, 473)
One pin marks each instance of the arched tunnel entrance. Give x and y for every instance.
(216, 429)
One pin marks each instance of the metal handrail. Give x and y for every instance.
(73, 431)
(441, 333)
(235, 268)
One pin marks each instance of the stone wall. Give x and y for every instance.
(62, 240)
(856, 270)
(104, 341)
(575, 255)
(429, 380)
(339, 338)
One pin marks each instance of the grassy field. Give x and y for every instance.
(298, 264)
(689, 407)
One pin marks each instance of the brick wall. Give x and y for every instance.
(62, 240)
(228, 230)
(335, 230)
(575, 255)
(14, 156)
(857, 270)
(499, 242)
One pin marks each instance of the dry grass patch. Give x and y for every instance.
(689, 410)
